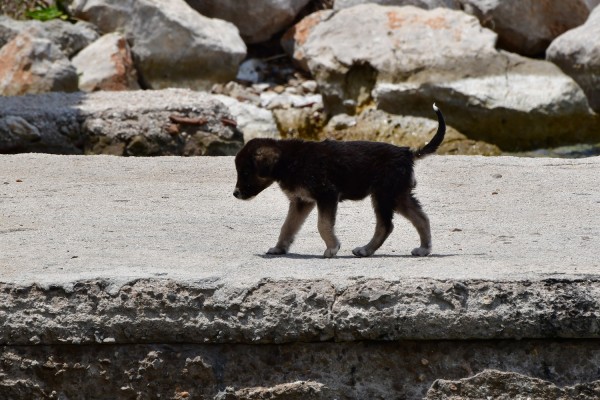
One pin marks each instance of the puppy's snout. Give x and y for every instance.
(236, 193)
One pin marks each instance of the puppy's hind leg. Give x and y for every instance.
(384, 213)
(297, 213)
(326, 224)
(410, 208)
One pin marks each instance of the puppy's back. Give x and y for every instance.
(353, 168)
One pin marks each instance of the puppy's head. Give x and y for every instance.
(255, 164)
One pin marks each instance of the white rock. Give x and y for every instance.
(526, 27)
(253, 121)
(342, 121)
(517, 110)
(310, 86)
(271, 100)
(391, 44)
(577, 53)
(520, 93)
(106, 64)
(173, 45)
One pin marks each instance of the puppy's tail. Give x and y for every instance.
(434, 143)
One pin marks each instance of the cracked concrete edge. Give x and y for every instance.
(283, 311)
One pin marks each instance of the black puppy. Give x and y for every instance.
(324, 173)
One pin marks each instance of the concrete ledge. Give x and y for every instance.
(283, 311)
(104, 254)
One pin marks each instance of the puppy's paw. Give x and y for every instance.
(362, 252)
(331, 252)
(276, 251)
(421, 251)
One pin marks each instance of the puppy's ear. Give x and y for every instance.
(265, 159)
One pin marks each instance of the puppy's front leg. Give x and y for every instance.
(297, 213)
(326, 223)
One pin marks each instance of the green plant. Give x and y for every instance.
(45, 12)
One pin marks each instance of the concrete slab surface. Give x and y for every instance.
(69, 218)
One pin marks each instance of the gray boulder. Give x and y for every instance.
(257, 20)
(532, 105)
(34, 65)
(525, 27)
(172, 44)
(427, 4)
(528, 27)
(70, 38)
(106, 64)
(136, 123)
(391, 44)
(577, 53)
(404, 58)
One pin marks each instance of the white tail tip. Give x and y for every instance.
(435, 107)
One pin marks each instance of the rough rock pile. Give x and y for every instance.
(136, 123)
(418, 55)
(518, 75)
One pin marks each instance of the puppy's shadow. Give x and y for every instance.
(295, 256)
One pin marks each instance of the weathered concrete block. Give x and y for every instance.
(138, 123)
